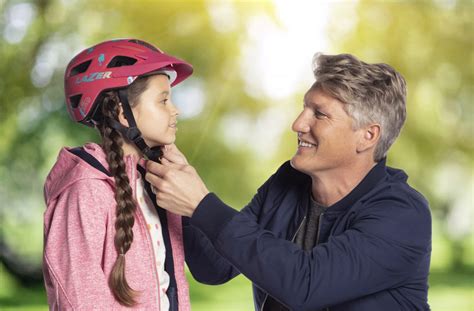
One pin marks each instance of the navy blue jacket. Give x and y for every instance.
(373, 251)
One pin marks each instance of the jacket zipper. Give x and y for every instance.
(298, 230)
(319, 227)
(317, 240)
(263, 304)
(292, 240)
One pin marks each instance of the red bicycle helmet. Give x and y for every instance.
(112, 65)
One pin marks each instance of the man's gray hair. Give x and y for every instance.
(372, 93)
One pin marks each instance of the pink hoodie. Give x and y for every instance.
(79, 231)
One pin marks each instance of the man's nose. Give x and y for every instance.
(301, 123)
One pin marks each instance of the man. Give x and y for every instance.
(332, 229)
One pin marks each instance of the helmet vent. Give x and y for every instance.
(151, 47)
(119, 61)
(80, 68)
(75, 100)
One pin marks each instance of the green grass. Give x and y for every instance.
(236, 295)
(449, 290)
(13, 296)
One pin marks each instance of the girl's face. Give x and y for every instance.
(155, 114)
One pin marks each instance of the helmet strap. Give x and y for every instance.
(132, 133)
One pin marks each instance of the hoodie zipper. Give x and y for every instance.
(150, 240)
(292, 240)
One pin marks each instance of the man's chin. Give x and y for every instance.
(296, 164)
(292, 163)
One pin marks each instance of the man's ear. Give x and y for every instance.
(121, 116)
(370, 135)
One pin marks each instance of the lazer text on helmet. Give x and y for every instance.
(94, 76)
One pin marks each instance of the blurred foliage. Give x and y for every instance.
(430, 43)
(35, 124)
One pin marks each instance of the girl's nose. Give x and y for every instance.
(174, 109)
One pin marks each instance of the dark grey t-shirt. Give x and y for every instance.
(306, 237)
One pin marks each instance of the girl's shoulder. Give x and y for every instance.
(72, 173)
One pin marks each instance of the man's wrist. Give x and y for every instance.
(212, 215)
(193, 208)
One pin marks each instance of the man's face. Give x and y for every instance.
(326, 139)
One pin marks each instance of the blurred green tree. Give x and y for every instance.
(431, 44)
(40, 37)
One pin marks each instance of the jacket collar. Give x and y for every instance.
(364, 187)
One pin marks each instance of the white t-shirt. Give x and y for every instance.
(154, 228)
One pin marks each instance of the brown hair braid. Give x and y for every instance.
(112, 142)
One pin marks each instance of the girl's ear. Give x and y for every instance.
(121, 116)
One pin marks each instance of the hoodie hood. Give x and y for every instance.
(70, 168)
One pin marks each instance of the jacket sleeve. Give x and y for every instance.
(74, 235)
(205, 263)
(380, 250)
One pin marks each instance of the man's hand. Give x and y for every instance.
(171, 153)
(177, 186)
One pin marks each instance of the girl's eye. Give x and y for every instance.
(164, 101)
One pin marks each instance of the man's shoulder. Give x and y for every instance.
(397, 183)
(394, 210)
(394, 191)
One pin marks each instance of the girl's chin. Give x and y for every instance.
(155, 143)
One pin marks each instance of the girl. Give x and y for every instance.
(106, 244)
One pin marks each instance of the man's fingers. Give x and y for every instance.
(172, 148)
(174, 158)
(167, 163)
(156, 168)
(154, 180)
(172, 154)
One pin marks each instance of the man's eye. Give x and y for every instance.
(319, 114)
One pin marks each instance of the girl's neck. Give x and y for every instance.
(131, 149)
